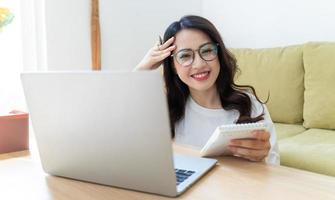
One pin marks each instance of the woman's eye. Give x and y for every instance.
(207, 50)
(184, 56)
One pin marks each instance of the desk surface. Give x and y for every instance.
(21, 177)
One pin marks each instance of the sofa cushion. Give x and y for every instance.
(319, 105)
(288, 130)
(278, 71)
(312, 150)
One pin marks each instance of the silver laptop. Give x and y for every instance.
(110, 128)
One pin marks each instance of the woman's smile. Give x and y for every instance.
(201, 76)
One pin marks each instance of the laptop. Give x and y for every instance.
(110, 128)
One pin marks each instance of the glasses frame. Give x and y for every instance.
(198, 51)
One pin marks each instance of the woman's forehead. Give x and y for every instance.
(190, 39)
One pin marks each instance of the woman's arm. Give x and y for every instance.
(263, 145)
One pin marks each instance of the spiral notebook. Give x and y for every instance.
(217, 144)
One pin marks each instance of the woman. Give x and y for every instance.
(199, 76)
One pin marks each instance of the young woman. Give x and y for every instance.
(199, 76)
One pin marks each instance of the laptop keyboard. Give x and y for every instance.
(182, 175)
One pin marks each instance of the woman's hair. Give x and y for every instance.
(232, 96)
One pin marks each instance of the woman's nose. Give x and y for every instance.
(198, 62)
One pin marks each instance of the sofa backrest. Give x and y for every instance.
(319, 65)
(278, 72)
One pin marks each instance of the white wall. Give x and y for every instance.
(268, 23)
(129, 28)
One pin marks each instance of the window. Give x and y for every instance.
(11, 95)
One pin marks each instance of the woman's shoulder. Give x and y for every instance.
(252, 97)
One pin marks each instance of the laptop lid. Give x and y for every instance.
(105, 127)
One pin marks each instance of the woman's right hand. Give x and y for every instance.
(155, 56)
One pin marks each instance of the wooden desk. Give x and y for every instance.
(21, 177)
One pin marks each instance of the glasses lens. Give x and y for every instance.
(185, 57)
(208, 52)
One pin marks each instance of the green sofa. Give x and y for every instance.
(300, 80)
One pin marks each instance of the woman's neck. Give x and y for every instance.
(208, 99)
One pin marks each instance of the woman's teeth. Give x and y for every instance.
(200, 75)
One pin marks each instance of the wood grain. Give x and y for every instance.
(22, 177)
(95, 36)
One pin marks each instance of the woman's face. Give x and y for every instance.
(199, 75)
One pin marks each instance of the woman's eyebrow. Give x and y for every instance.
(191, 48)
(184, 49)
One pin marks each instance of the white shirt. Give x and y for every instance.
(199, 123)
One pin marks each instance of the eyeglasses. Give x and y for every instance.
(207, 52)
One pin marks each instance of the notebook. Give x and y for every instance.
(217, 144)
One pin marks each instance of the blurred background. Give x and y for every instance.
(55, 35)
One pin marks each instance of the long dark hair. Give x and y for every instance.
(232, 96)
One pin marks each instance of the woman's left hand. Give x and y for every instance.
(255, 148)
